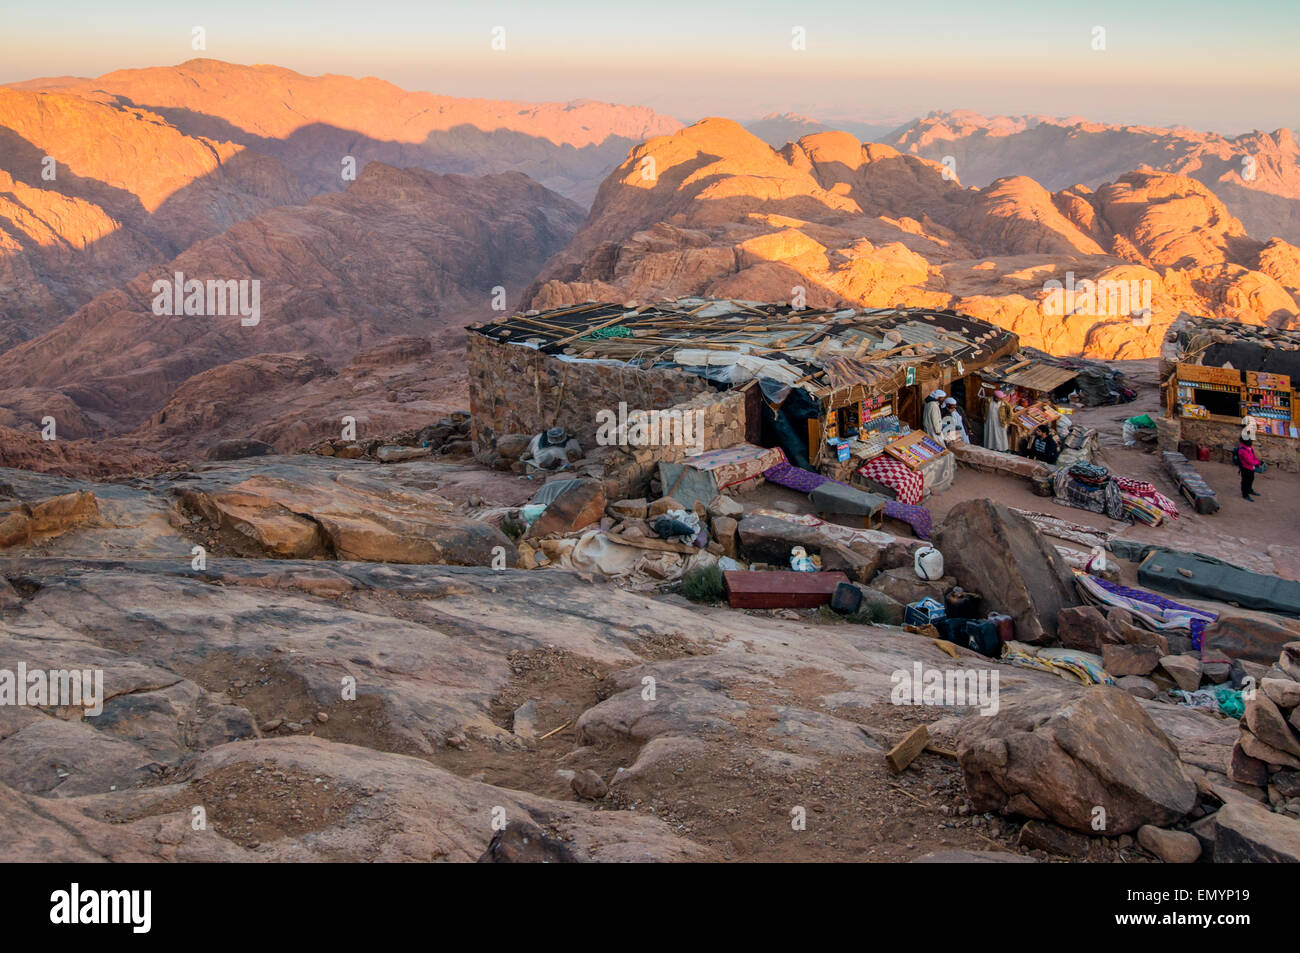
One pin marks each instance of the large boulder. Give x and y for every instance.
(1083, 627)
(1247, 833)
(767, 539)
(577, 507)
(1267, 723)
(1051, 762)
(998, 553)
(904, 586)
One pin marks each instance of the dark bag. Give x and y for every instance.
(961, 604)
(982, 636)
(978, 635)
(847, 598)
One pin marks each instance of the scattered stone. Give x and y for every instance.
(1262, 750)
(1138, 686)
(1266, 722)
(1250, 833)
(1173, 847)
(1045, 836)
(1121, 660)
(522, 843)
(903, 586)
(1185, 670)
(723, 505)
(628, 509)
(1283, 692)
(1287, 783)
(589, 785)
(1082, 627)
(1249, 637)
(1244, 769)
(662, 505)
(322, 717)
(724, 531)
(577, 507)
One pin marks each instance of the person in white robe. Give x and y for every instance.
(954, 427)
(996, 417)
(932, 415)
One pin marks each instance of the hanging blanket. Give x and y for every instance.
(907, 484)
(1151, 609)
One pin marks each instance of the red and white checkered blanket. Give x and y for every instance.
(907, 483)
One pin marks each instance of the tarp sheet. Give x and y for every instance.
(1205, 577)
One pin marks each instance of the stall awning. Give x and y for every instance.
(1037, 376)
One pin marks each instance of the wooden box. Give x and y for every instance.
(781, 589)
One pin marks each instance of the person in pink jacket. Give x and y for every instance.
(1247, 462)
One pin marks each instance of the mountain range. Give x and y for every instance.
(375, 222)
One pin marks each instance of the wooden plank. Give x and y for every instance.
(907, 750)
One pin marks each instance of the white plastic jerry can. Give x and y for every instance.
(928, 563)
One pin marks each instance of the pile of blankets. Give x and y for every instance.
(1088, 486)
(1147, 608)
(1144, 502)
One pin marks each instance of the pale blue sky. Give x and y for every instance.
(1205, 64)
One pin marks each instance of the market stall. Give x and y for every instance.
(1036, 391)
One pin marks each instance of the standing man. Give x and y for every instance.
(954, 427)
(932, 416)
(996, 418)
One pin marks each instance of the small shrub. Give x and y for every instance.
(703, 585)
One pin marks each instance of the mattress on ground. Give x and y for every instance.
(832, 497)
(1204, 577)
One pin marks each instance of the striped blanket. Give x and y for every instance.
(1149, 608)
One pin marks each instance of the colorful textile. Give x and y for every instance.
(732, 465)
(795, 478)
(1093, 474)
(1142, 511)
(1065, 663)
(1140, 488)
(1149, 608)
(1222, 699)
(1106, 498)
(907, 484)
(917, 517)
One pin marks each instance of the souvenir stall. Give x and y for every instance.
(1037, 393)
(1215, 374)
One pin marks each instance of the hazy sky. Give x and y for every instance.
(1210, 65)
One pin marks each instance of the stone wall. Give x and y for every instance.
(722, 424)
(516, 389)
(1281, 453)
